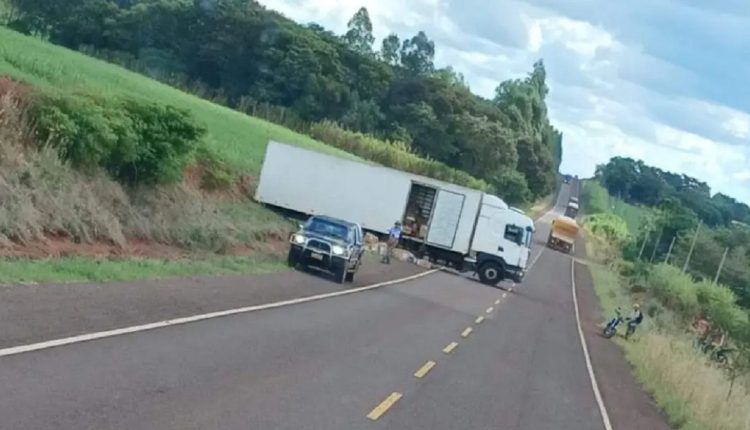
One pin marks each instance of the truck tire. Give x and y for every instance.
(350, 277)
(491, 273)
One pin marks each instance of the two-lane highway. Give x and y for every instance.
(517, 364)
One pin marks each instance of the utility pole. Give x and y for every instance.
(643, 245)
(656, 245)
(692, 247)
(669, 253)
(721, 266)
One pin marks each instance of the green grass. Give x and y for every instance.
(692, 394)
(237, 138)
(80, 269)
(596, 199)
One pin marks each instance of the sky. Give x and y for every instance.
(664, 81)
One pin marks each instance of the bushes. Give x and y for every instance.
(679, 292)
(594, 198)
(43, 197)
(137, 142)
(610, 226)
(391, 154)
(676, 290)
(720, 305)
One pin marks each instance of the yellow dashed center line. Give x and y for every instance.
(490, 309)
(384, 406)
(467, 331)
(479, 320)
(450, 347)
(424, 369)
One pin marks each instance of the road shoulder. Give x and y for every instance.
(628, 405)
(36, 313)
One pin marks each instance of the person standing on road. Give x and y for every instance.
(394, 234)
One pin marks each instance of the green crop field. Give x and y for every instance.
(237, 138)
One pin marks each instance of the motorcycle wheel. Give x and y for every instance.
(609, 332)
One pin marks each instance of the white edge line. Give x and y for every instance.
(184, 320)
(589, 367)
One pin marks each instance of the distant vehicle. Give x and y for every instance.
(571, 211)
(452, 225)
(328, 244)
(563, 233)
(567, 179)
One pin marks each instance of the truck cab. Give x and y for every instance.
(502, 242)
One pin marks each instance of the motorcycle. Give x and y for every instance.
(611, 328)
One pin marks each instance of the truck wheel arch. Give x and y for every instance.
(491, 269)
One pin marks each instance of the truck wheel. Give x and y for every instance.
(350, 277)
(491, 273)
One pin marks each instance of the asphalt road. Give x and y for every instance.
(328, 364)
(35, 313)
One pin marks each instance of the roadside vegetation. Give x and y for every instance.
(695, 388)
(84, 269)
(300, 75)
(95, 156)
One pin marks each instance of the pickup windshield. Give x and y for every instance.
(329, 228)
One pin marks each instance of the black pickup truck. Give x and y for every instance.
(328, 244)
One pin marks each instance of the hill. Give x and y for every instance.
(62, 212)
(78, 135)
(253, 59)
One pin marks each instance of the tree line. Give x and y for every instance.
(638, 183)
(706, 235)
(393, 91)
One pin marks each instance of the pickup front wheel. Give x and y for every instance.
(291, 259)
(491, 273)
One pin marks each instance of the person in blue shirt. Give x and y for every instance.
(394, 235)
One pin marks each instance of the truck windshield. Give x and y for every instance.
(329, 228)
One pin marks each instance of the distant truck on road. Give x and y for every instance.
(571, 211)
(562, 234)
(462, 228)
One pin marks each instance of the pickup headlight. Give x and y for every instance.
(338, 250)
(298, 239)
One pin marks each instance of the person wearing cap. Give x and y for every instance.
(394, 234)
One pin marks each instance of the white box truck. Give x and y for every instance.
(457, 226)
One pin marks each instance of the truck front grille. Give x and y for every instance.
(319, 246)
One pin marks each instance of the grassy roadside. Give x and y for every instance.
(691, 390)
(81, 269)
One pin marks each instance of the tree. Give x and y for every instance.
(389, 50)
(451, 77)
(418, 55)
(359, 36)
(248, 55)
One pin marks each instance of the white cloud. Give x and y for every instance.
(610, 95)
